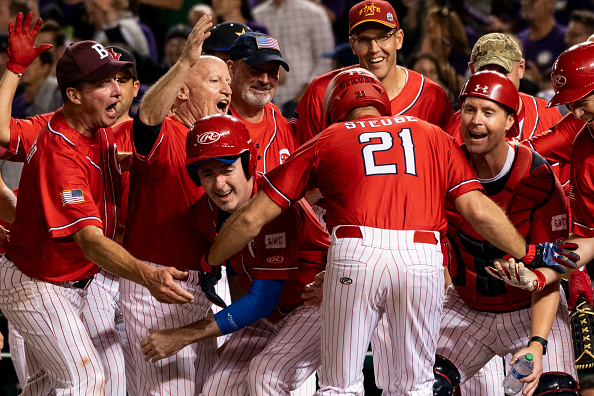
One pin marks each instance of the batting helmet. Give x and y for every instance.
(573, 74)
(221, 137)
(493, 86)
(556, 384)
(447, 377)
(354, 88)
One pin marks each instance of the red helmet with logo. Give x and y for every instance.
(573, 74)
(493, 86)
(219, 137)
(354, 88)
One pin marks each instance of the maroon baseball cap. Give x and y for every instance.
(377, 11)
(86, 61)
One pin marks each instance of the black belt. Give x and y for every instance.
(83, 283)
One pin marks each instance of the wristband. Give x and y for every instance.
(540, 282)
(542, 341)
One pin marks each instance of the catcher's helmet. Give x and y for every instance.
(447, 377)
(573, 74)
(354, 88)
(493, 86)
(221, 137)
(556, 384)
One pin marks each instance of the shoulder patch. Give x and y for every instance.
(72, 197)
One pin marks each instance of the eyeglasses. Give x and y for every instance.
(379, 40)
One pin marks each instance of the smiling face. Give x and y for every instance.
(96, 104)
(484, 124)
(376, 45)
(254, 85)
(226, 184)
(208, 88)
(583, 109)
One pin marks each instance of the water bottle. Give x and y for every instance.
(521, 368)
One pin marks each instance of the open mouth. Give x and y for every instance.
(223, 105)
(376, 60)
(477, 136)
(111, 109)
(225, 195)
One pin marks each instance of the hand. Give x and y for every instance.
(579, 284)
(516, 274)
(314, 291)
(200, 32)
(209, 276)
(553, 255)
(531, 380)
(21, 43)
(161, 344)
(160, 282)
(4, 237)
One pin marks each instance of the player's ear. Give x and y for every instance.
(73, 95)
(231, 67)
(136, 87)
(184, 92)
(509, 122)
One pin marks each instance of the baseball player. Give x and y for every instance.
(375, 37)
(385, 259)
(159, 227)
(482, 316)
(276, 339)
(254, 63)
(65, 219)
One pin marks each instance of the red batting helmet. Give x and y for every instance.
(219, 137)
(493, 86)
(573, 74)
(353, 88)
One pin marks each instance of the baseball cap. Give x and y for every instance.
(343, 54)
(86, 61)
(495, 49)
(179, 30)
(123, 55)
(256, 48)
(378, 11)
(223, 35)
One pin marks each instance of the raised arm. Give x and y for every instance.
(157, 101)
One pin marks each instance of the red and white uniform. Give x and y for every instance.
(385, 259)
(581, 190)
(482, 314)
(273, 137)
(420, 97)
(277, 353)
(69, 182)
(161, 231)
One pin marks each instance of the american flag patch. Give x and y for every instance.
(267, 42)
(72, 197)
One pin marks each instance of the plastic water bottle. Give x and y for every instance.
(521, 368)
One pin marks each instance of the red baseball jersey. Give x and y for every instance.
(23, 133)
(382, 172)
(273, 137)
(124, 144)
(533, 199)
(581, 190)
(420, 97)
(159, 227)
(69, 181)
(533, 119)
(293, 247)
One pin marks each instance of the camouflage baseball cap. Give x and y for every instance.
(495, 49)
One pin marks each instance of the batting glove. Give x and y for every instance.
(579, 285)
(516, 274)
(209, 276)
(553, 255)
(21, 43)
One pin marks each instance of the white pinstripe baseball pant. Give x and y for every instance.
(470, 338)
(383, 273)
(184, 373)
(61, 358)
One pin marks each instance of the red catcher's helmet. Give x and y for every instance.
(354, 88)
(573, 74)
(218, 137)
(493, 86)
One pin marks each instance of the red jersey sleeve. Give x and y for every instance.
(550, 221)
(462, 178)
(66, 197)
(23, 133)
(581, 190)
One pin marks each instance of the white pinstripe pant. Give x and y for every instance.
(470, 338)
(267, 358)
(383, 274)
(182, 374)
(61, 358)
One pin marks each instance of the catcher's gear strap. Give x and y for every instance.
(582, 328)
(556, 383)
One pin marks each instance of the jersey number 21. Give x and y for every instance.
(386, 142)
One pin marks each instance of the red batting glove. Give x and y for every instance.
(579, 284)
(21, 43)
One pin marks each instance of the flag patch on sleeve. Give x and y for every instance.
(72, 197)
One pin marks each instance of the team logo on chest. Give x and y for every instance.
(284, 154)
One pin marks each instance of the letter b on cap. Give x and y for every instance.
(100, 50)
